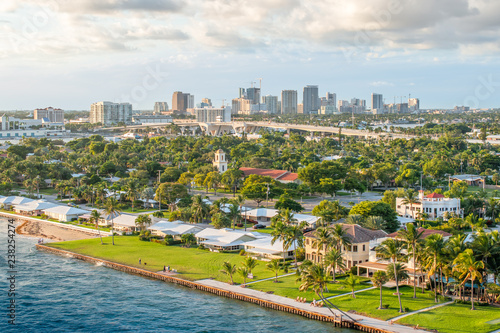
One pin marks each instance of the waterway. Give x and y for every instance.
(60, 294)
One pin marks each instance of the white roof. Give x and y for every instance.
(263, 245)
(126, 220)
(175, 228)
(226, 237)
(15, 200)
(65, 210)
(309, 219)
(35, 205)
(263, 212)
(225, 208)
(405, 220)
(467, 177)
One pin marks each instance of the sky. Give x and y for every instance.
(72, 53)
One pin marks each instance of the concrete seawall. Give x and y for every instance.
(338, 321)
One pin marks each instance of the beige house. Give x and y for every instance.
(354, 254)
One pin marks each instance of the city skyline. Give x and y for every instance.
(142, 52)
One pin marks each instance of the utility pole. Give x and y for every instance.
(159, 191)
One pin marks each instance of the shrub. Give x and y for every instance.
(201, 247)
(242, 252)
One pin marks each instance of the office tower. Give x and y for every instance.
(110, 113)
(190, 101)
(331, 99)
(271, 103)
(212, 115)
(377, 101)
(242, 93)
(161, 107)
(253, 94)
(289, 101)
(54, 115)
(182, 101)
(414, 104)
(310, 99)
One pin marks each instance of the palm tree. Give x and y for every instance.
(351, 282)
(434, 247)
(469, 269)
(379, 279)
(111, 211)
(340, 236)
(274, 266)
(295, 236)
(234, 213)
(374, 223)
(249, 263)
(323, 239)
(391, 249)
(243, 272)
(410, 198)
(143, 221)
(239, 201)
(199, 209)
(280, 234)
(355, 219)
(94, 217)
(147, 193)
(228, 269)
(411, 236)
(333, 260)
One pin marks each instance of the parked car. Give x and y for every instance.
(259, 226)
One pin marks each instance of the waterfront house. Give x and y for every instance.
(124, 222)
(225, 239)
(175, 229)
(434, 205)
(353, 254)
(9, 202)
(33, 208)
(264, 216)
(64, 213)
(263, 248)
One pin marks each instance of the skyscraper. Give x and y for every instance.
(182, 101)
(253, 94)
(289, 101)
(310, 99)
(377, 101)
(271, 103)
(414, 104)
(54, 115)
(110, 113)
(161, 107)
(331, 99)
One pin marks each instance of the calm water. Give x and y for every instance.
(59, 294)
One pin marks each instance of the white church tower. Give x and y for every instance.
(220, 161)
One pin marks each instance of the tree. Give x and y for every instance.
(274, 266)
(379, 279)
(340, 237)
(132, 188)
(168, 193)
(234, 213)
(243, 272)
(147, 193)
(351, 282)
(434, 247)
(228, 269)
(391, 249)
(285, 202)
(220, 220)
(258, 192)
(330, 186)
(377, 208)
(143, 221)
(469, 269)
(374, 223)
(199, 209)
(333, 260)
(188, 238)
(410, 198)
(329, 211)
(212, 180)
(411, 236)
(355, 219)
(112, 211)
(279, 234)
(94, 217)
(249, 263)
(294, 235)
(232, 179)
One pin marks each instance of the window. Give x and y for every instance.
(355, 249)
(364, 247)
(222, 168)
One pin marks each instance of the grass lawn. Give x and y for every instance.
(288, 287)
(475, 189)
(50, 191)
(191, 263)
(137, 210)
(367, 302)
(457, 318)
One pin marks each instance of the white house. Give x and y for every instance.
(262, 247)
(264, 215)
(33, 208)
(11, 201)
(226, 239)
(64, 213)
(434, 205)
(175, 228)
(124, 222)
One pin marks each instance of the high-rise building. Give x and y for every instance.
(242, 93)
(377, 101)
(182, 101)
(310, 99)
(289, 101)
(331, 99)
(213, 115)
(161, 107)
(300, 108)
(206, 101)
(241, 105)
(253, 94)
(413, 104)
(271, 103)
(110, 113)
(54, 115)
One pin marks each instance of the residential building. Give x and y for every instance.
(206, 102)
(377, 102)
(212, 115)
(471, 180)
(289, 102)
(220, 161)
(33, 208)
(108, 113)
(271, 103)
(241, 106)
(434, 205)
(327, 109)
(175, 229)
(282, 176)
(310, 99)
(161, 107)
(9, 202)
(226, 239)
(253, 94)
(413, 104)
(265, 248)
(300, 108)
(152, 119)
(264, 216)
(53, 115)
(354, 254)
(64, 213)
(123, 222)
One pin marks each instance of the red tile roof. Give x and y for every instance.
(280, 175)
(434, 195)
(427, 233)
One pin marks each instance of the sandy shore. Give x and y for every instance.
(49, 231)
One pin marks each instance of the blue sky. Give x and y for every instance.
(69, 54)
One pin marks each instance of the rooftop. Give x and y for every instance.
(356, 233)
(280, 175)
(426, 233)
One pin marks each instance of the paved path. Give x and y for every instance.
(421, 310)
(271, 278)
(349, 293)
(381, 324)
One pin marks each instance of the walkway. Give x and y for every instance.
(372, 322)
(350, 293)
(421, 310)
(271, 278)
